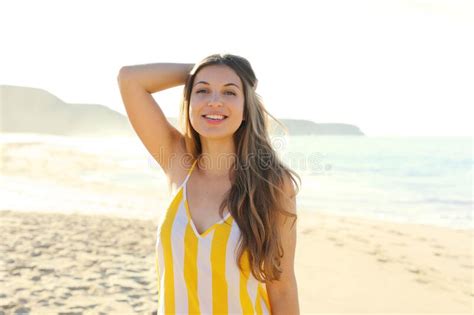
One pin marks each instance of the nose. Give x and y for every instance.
(215, 100)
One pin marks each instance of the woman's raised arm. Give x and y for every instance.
(137, 83)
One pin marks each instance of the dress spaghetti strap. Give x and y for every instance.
(189, 172)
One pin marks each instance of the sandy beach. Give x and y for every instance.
(78, 264)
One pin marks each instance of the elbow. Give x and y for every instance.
(124, 77)
(123, 73)
(120, 74)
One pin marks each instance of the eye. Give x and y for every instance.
(200, 91)
(230, 92)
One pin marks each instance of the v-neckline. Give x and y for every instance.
(188, 211)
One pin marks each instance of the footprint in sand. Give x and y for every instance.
(36, 253)
(376, 227)
(37, 292)
(396, 232)
(335, 240)
(46, 271)
(139, 280)
(373, 252)
(22, 310)
(383, 259)
(138, 304)
(415, 270)
(434, 269)
(78, 288)
(307, 231)
(422, 281)
(358, 239)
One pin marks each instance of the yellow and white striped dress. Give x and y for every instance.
(198, 273)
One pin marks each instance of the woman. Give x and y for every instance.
(224, 245)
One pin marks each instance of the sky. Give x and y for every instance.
(392, 68)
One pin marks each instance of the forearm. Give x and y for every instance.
(285, 303)
(155, 77)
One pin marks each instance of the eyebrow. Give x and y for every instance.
(204, 82)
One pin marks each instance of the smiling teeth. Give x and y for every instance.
(217, 117)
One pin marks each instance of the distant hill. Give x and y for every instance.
(307, 127)
(32, 110)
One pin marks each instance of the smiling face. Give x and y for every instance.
(217, 102)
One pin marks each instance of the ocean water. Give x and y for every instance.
(421, 180)
(416, 180)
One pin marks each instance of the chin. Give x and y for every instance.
(215, 135)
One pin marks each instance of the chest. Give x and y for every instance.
(203, 200)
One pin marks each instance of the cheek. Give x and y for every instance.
(239, 110)
(194, 108)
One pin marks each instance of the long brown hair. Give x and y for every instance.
(256, 197)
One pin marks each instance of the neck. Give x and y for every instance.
(217, 157)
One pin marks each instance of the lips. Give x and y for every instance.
(216, 117)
